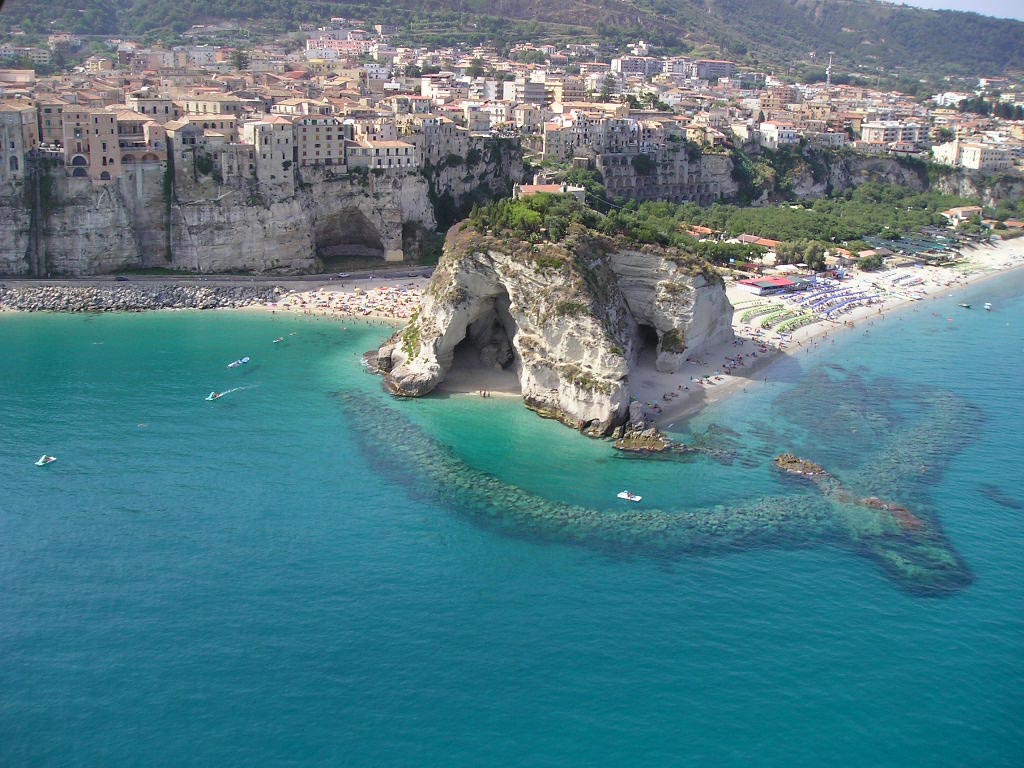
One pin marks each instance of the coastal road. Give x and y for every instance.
(295, 282)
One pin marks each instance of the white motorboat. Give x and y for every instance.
(240, 361)
(44, 460)
(213, 395)
(628, 496)
(988, 306)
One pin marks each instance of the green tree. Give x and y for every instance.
(240, 59)
(643, 164)
(870, 263)
(531, 56)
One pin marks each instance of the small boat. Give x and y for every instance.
(988, 306)
(213, 395)
(966, 306)
(44, 460)
(240, 361)
(279, 339)
(628, 496)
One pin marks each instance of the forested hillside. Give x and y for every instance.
(868, 38)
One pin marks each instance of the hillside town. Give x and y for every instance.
(342, 98)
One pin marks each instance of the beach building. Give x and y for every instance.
(962, 213)
(766, 286)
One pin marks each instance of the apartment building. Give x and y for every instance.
(212, 104)
(974, 155)
(140, 139)
(272, 138)
(162, 109)
(320, 140)
(567, 89)
(368, 153)
(50, 111)
(709, 69)
(985, 157)
(19, 134)
(892, 131)
(91, 146)
(523, 91)
(643, 66)
(777, 134)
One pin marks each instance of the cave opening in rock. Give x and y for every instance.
(485, 358)
(347, 239)
(646, 345)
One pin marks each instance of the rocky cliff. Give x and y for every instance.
(83, 228)
(814, 173)
(572, 319)
(480, 169)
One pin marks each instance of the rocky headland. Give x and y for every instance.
(572, 319)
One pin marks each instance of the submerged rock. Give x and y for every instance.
(918, 557)
(787, 462)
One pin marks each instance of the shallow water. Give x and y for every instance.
(275, 577)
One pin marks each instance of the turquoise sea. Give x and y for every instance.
(305, 572)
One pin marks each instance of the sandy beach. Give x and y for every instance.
(387, 300)
(713, 374)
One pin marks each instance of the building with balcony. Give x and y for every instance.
(368, 153)
(91, 146)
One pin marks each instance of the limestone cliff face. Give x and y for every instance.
(15, 232)
(714, 180)
(571, 319)
(837, 173)
(482, 169)
(296, 229)
(80, 228)
(990, 190)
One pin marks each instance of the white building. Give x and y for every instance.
(985, 157)
(973, 155)
(368, 153)
(775, 134)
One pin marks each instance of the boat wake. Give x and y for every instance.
(218, 395)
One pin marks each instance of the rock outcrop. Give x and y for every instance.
(571, 319)
(817, 174)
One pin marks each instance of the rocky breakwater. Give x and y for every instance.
(572, 319)
(131, 298)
